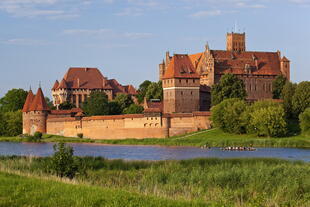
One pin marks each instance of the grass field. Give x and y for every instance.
(201, 182)
(211, 138)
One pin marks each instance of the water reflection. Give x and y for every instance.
(130, 152)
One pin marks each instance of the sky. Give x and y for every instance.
(127, 39)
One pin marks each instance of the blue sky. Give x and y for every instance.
(127, 39)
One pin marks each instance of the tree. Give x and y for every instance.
(228, 115)
(114, 108)
(96, 104)
(66, 106)
(123, 100)
(13, 123)
(49, 103)
(133, 109)
(2, 124)
(229, 86)
(63, 163)
(301, 98)
(13, 100)
(287, 94)
(277, 86)
(304, 119)
(142, 90)
(269, 121)
(154, 91)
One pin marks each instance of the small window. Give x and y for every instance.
(181, 92)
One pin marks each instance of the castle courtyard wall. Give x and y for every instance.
(136, 126)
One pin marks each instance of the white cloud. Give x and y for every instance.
(301, 2)
(25, 42)
(130, 12)
(201, 14)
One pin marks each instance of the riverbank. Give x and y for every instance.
(210, 138)
(199, 182)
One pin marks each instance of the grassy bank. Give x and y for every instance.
(26, 191)
(214, 182)
(212, 138)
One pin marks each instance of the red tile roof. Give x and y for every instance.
(39, 103)
(28, 101)
(63, 84)
(56, 85)
(260, 63)
(180, 66)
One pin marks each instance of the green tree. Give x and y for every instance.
(154, 91)
(63, 163)
(142, 90)
(2, 124)
(49, 103)
(269, 121)
(228, 115)
(13, 100)
(123, 100)
(287, 94)
(96, 104)
(301, 98)
(114, 108)
(277, 86)
(304, 119)
(133, 109)
(13, 123)
(66, 106)
(229, 86)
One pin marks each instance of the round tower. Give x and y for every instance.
(26, 112)
(38, 113)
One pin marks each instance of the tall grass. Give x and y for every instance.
(218, 182)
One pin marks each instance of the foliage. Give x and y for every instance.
(133, 109)
(38, 135)
(287, 94)
(305, 122)
(114, 108)
(154, 91)
(2, 124)
(14, 123)
(212, 182)
(229, 86)
(50, 103)
(277, 86)
(227, 115)
(142, 90)
(63, 163)
(13, 100)
(80, 135)
(269, 121)
(66, 106)
(123, 100)
(301, 98)
(96, 104)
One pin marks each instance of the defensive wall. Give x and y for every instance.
(136, 126)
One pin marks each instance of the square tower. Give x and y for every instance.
(235, 42)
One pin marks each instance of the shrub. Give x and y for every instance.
(269, 121)
(80, 135)
(133, 109)
(227, 115)
(37, 135)
(301, 98)
(63, 163)
(304, 120)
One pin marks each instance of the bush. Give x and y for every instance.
(63, 163)
(37, 135)
(301, 98)
(228, 115)
(13, 123)
(133, 109)
(304, 120)
(269, 121)
(80, 135)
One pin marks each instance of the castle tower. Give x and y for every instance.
(285, 67)
(38, 113)
(235, 42)
(181, 86)
(26, 112)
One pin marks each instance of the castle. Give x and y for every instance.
(78, 83)
(186, 80)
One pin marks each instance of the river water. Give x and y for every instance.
(134, 152)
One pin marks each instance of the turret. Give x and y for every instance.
(235, 42)
(38, 113)
(26, 112)
(285, 67)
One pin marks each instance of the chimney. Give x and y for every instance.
(78, 83)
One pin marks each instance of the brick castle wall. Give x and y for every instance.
(136, 126)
